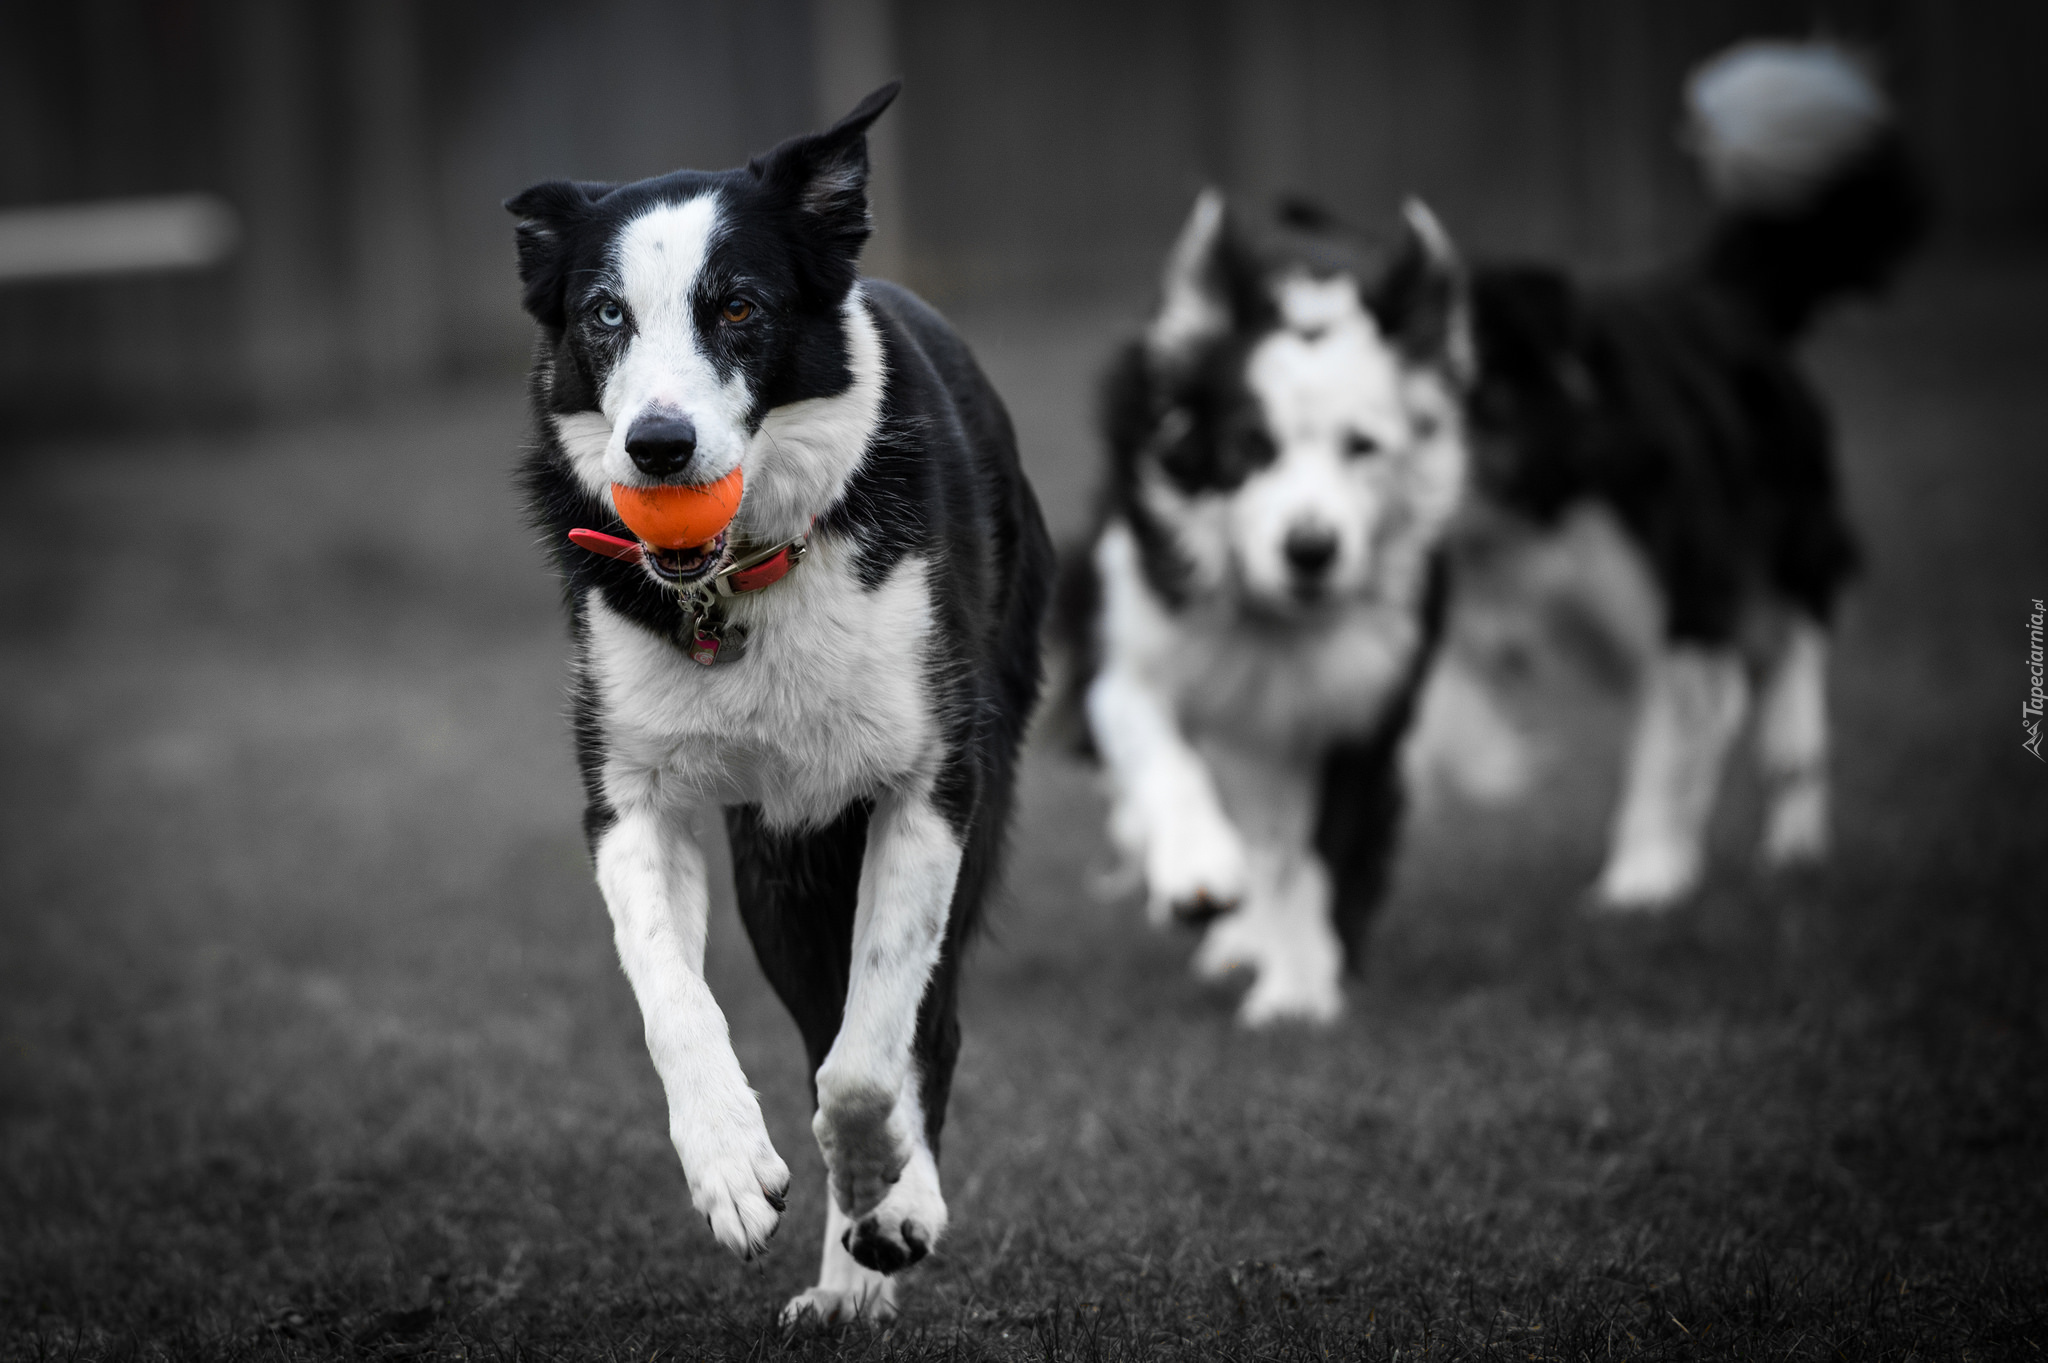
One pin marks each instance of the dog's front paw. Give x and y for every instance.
(1232, 943)
(834, 1306)
(906, 1224)
(1647, 879)
(1796, 827)
(740, 1185)
(1195, 871)
(1277, 999)
(863, 1141)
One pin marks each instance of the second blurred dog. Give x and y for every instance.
(1680, 468)
(1253, 616)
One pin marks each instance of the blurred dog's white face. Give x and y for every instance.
(1296, 446)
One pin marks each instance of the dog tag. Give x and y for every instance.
(704, 646)
(714, 639)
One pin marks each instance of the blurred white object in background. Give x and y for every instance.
(116, 236)
(1772, 121)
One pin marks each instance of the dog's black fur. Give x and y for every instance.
(1677, 400)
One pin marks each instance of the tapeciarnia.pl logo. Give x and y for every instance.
(2030, 713)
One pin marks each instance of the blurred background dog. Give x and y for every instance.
(1656, 475)
(1250, 620)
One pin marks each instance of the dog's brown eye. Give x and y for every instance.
(737, 310)
(1358, 445)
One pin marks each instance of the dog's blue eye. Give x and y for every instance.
(611, 314)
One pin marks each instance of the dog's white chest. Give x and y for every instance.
(830, 703)
(1287, 686)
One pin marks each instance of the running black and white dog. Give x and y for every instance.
(863, 744)
(1252, 618)
(1661, 427)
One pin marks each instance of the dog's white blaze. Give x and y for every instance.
(830, 704)
(1321, 379)
(653, 879)
(798, 462)
(657, 259)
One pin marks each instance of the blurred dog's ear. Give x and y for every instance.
(546, 213)
(824, 176)
(1210, 287)
(1420, 301)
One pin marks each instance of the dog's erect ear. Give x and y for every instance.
(825, 178)
(1210, 286)
(1420, 301)
(546, 213)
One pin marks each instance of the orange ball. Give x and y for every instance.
(679, 517)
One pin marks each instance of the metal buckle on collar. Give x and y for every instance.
(762, 568)
(708, 637)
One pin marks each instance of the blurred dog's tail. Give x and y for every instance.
(1816, 193)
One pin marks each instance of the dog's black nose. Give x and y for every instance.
(661, 443)
(1310, 549)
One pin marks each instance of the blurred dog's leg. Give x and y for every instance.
(1792, 748)
(1464, 741)
(1165, 813)
(1283, 929)
(1693, 704)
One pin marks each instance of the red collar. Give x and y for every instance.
(748, 573)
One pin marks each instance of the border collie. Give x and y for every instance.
(1671, 408)
(885, 573)
(1252, 618)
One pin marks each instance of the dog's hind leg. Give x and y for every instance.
(1792, 748)
(1692, 707)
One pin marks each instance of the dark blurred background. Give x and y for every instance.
(1041, 153)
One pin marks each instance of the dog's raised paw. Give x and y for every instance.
(1195, 877)
(1203, 909)
(884, 1248)
(1272, 1003)
(906, 1225)
(741, 1196)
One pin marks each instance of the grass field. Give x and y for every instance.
(312, 1043)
